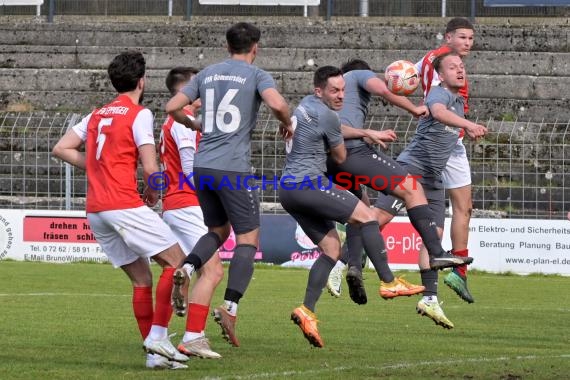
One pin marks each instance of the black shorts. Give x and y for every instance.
(433, 190)
(224, 196)
(316, 209)
(365, 166)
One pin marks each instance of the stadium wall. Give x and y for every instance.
(517, 70)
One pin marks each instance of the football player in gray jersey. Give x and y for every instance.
(380, 172)
(231, 93)
(311, 198)
(426, 156)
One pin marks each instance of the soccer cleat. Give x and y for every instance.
(228, 324)
(399, 287)
(181, 279)
(307, 321)
(164, 348)
(459, 286)
(335, 280)
(448, 260)
(434, 311)
(356, 288)
(199, 347)
(156, 361)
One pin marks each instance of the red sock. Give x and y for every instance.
(163, 308)
(142, 306)
(462, 269)
(197, 316)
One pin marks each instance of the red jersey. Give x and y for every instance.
(430, 77)
(173, 138)
(113, 134)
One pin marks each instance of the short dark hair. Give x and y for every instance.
(179, 75)
(438, 60)
(125, 70)
(458, 23)
(355, 64)
(241, 37)
(323, 74)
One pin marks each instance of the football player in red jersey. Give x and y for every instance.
(459, 35)
(182, 212)
(116, 136)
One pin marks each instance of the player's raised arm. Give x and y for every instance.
(279, 107)
(376, 86)
(174, 108)
(443, 115)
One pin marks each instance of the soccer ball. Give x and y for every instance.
(402, 78)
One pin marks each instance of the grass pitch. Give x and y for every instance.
(74, 321)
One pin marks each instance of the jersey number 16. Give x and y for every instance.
(224, 107)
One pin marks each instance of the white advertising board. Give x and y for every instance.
(497, 245)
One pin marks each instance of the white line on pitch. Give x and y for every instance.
(267, 375)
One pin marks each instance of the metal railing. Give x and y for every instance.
(327, 8)
(520, 169)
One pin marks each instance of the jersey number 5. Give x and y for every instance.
(224, 107)
(101, 137)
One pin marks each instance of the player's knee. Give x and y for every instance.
(382, 217)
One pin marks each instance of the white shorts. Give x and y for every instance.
(187, 224)
(457, 172)
(129, 234)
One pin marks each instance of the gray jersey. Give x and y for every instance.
(317, 129)
(356, 100)
(433, 142)
(230, 94)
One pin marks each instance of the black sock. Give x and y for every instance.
(204, 249)
(355, 245)
(376, 250)
(318, 276)
(429, 280)
(422, 219)
(241, 270)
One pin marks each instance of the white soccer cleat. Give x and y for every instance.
(199, 347)
(335, 279)
(164, 348)
(156, 361)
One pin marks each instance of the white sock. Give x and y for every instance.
(231, 307)
(429, 298)
(158, 332)
(188, 336)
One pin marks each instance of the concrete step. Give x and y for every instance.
(290, 83)
(297, 32)
(274, 59)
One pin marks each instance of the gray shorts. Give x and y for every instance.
(224, 196)
(316, 210)
(433, 190)
(366, 166)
